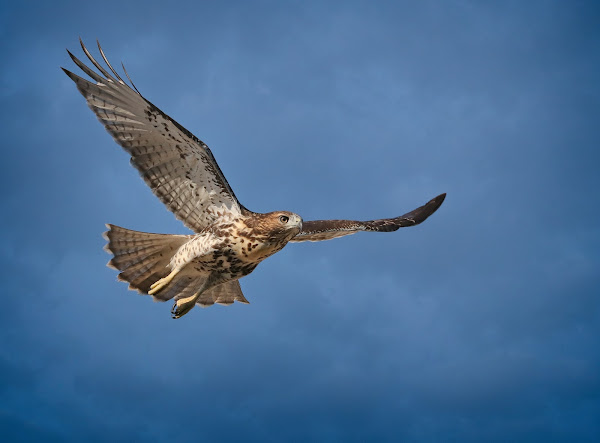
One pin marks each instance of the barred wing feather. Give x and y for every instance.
(318, 230)
(178, 167)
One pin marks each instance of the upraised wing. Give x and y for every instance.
(319, 230)
(179, 168)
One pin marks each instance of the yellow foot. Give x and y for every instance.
(160, 284)
(183, 306)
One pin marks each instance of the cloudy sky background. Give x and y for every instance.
(481, 324)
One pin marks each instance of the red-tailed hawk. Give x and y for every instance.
(229, 240)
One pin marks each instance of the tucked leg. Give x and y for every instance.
(184, 305)
(160, 284)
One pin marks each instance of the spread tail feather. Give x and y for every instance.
(142, 258)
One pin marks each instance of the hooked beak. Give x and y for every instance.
(298, 222)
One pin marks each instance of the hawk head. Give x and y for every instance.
(276, 228)
(282, 225)
(264, 234)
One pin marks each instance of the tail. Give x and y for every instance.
(141, 257)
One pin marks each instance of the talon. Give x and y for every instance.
(160, 284)
(174, 313)
(183, 306)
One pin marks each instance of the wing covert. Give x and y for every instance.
(178, 167)
(319, 230)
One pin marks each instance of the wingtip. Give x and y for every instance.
(435, 203)
(75, 59)
(422, 213)
(69, 73)
(99, 46)
(439, 199)
(82, 44)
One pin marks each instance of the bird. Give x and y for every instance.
(229, 240)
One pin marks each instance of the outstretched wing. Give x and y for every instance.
(179, 168)
(319, 230)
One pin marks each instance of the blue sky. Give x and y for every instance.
(482, 324)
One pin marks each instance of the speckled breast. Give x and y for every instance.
(228, 249)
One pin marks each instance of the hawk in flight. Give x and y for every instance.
(229, 241)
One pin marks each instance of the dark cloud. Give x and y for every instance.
(479, 325)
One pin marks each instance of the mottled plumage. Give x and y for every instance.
(229, 240)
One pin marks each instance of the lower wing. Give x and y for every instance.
(318, 230)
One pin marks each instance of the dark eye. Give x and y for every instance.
(284, 219)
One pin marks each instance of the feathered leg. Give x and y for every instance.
(185, 304)
(163, 282)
